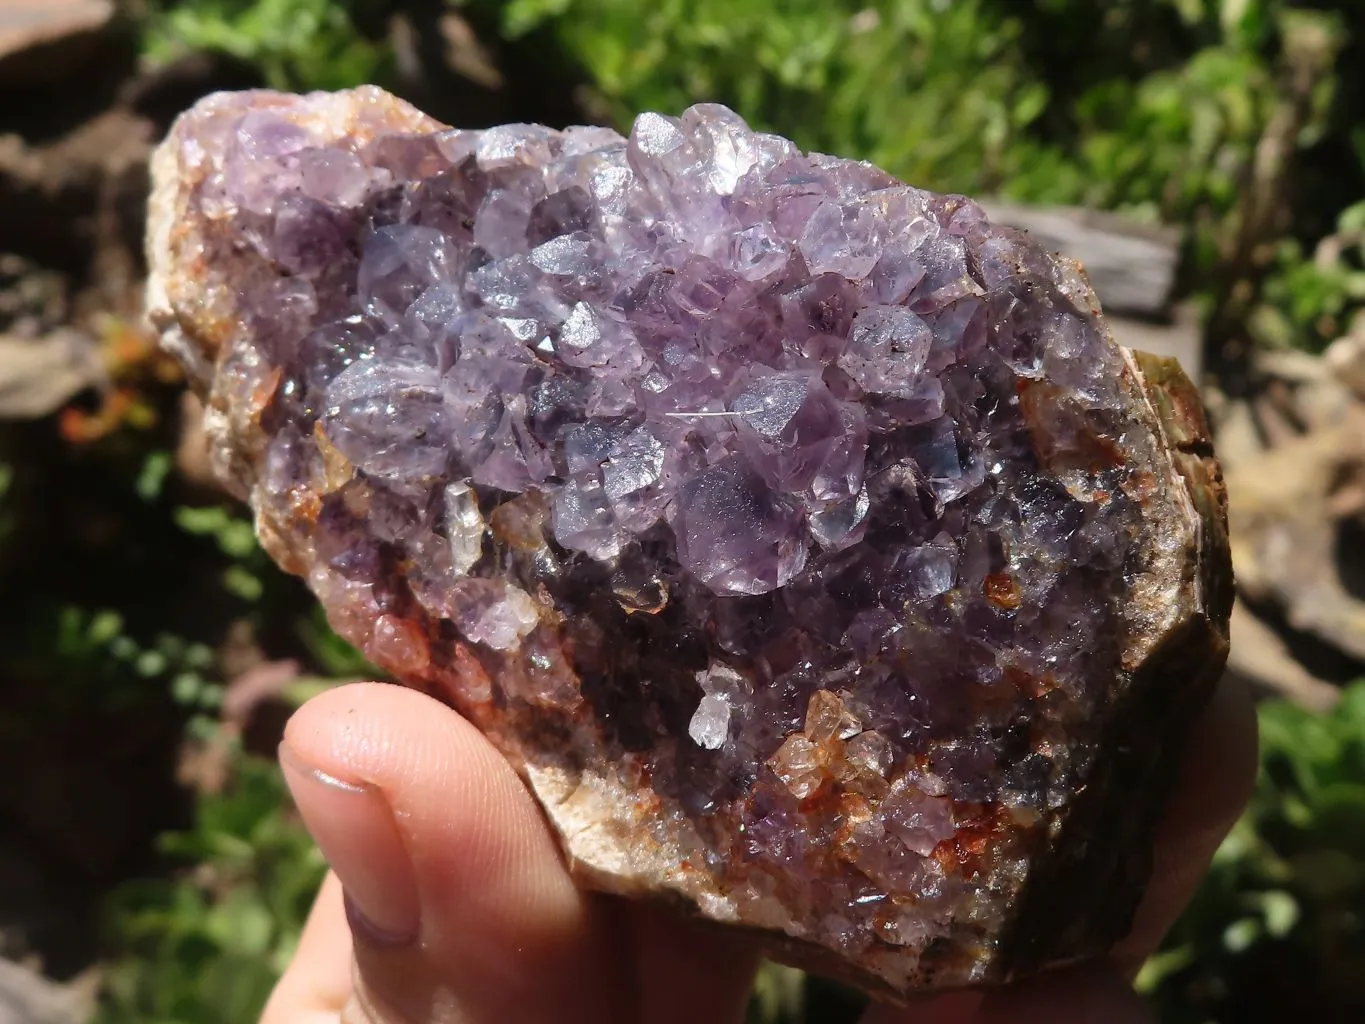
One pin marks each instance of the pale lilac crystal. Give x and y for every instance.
(734, 533)
(388, 419)
(918, 820)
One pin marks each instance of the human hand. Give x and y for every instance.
(459, 908)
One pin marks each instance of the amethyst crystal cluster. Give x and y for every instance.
(802, 537)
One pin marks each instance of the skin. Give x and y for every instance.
(449, 903)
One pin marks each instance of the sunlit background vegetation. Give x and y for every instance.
(146, 600)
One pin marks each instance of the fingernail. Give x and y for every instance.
(354, 827)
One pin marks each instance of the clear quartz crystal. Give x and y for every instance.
(711, 722)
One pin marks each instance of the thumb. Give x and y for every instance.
(459, 903)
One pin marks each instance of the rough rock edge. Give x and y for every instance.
(1058, 919)
(593, 813)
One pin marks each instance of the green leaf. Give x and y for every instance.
(1242, 934)
(151, 663)
(185, 687)
(522, 16)
(236, 539)
(104, 627)
(1281, 912)
(241, 924)
(243, 584)
(152, 477)
(1161, 965)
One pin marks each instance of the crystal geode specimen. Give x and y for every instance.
(802, 538)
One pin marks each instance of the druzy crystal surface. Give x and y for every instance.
(800, 536)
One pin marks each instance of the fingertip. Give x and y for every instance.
(354, 827)
(497, 906)
(452, 794)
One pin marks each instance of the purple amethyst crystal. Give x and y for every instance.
(802, 537)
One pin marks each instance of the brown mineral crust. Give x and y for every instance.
(1002, 591)
(1186, 428)
(1068, 879)
(1074, 905)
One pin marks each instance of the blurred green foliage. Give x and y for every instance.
(1280, 918)
(95, 648)
(207, 947)
(296, 44)
(1314, 295)
(1240, 121)
(938, 93)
